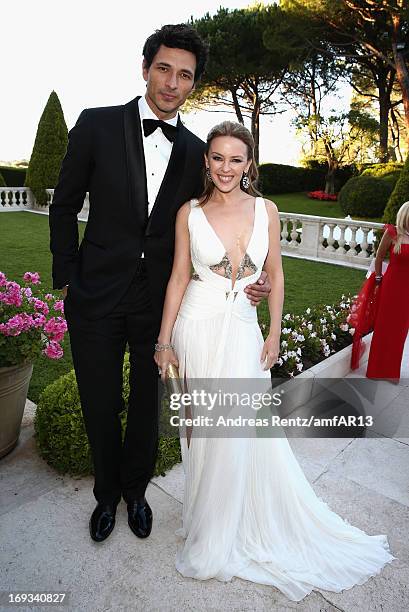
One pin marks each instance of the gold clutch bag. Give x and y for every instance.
(172, 380)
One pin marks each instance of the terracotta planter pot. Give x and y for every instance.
(14, 383)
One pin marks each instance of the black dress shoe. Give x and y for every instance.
(140, 518)
(102, 522)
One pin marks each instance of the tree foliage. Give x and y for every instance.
(364, 33)
(48, 151)
(242, 75)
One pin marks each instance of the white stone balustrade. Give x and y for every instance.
(342, 241)
(15, 198)
(328, 239)
(22, 198)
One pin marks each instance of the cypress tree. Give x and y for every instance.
(398, 196)
(48, 151)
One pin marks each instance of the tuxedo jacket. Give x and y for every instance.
(105, 157)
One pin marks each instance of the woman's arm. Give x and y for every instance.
(383, 248)
(179, 279)
(274, 269)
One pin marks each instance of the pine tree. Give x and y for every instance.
(398, 196)
(48, 151)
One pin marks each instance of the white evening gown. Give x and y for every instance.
(248, 509)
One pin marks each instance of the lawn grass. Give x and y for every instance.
(24, 246)
(302, 204)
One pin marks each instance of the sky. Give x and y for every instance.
(90, 53)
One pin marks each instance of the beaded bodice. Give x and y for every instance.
(246, 267)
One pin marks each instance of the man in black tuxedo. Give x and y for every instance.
(139, 164)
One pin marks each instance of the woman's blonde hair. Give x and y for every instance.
(235, 130)
(402, 225)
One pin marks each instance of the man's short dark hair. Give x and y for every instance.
(179, 36)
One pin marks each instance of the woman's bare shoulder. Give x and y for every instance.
(271, 208)
(183, 212)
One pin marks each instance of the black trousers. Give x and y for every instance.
(98, 347)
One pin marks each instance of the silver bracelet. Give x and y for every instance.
(162, 347)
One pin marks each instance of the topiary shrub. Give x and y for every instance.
(399, 195)
(364, 196)
(48, 151)
(60, 432)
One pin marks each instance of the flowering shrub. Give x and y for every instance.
(30, 323)
(321, 195)
(311, 337)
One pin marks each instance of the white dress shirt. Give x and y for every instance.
(157, 149)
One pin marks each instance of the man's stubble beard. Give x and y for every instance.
(165, 111)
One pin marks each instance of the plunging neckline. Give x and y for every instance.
(226, 254)
(219, 239)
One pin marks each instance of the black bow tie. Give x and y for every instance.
(169, 130)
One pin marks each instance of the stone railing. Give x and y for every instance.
(15, 197)
(19, 198)
(326, 239)
(345, 241)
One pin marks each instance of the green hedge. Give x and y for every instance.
(399, 195)
(14, 177)
(60, 431)
(282, 178)
(342, 175)
(365, 196)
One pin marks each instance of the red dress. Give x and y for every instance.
(392, 316)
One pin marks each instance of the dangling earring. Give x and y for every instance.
(245, 181)
(208, 175)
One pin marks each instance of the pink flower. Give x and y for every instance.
(49, 296)
(39, 319)
(17, 324)
(40, 305)
(12, 295)
(27, 292)
(56, 328)
(53, 350)
(59, 305)
(3, 279)
(32, 277)
(4, 329)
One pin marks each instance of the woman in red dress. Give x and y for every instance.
(392, 302)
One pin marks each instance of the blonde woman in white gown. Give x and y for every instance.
(248, 510)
